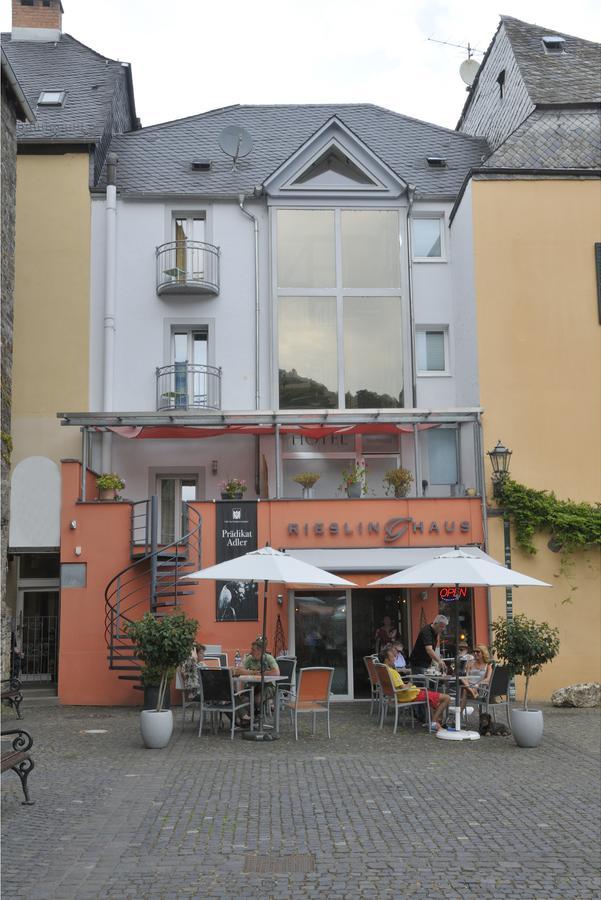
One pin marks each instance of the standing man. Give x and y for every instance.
(424, 652)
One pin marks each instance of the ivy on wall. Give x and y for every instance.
(572, 526)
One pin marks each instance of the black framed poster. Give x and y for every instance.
(236, 534)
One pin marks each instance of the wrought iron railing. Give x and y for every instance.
(187, 266)
(188, 386)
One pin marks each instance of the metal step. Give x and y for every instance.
(182, 563)
(130, 677)
(163, 604)
(127, 668)
(174, 593)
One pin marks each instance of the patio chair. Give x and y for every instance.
(374, 684)
(312, 696)
(217, 696)
(498, 686)
(189, 696)
(390, 698)
(285, 689)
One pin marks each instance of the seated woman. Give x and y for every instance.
(407, 693)
(477, 675)
(251, 665)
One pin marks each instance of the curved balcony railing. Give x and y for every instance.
(187, 267)
(187, 386)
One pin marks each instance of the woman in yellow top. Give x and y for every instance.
(407, 693)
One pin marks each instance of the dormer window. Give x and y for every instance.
(553, 43)
(51, 98)
(436, 162)
(501, 83)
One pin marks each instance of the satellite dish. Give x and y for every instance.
(468, 71)
(235, 142)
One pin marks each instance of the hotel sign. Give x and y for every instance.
(390, 531)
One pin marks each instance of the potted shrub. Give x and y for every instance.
(354, 480)
(398, 482)
(108, 484)
(232, 488)
(525, 646)
(307, 481)
(161, 645)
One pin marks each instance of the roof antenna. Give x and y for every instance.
(469, 67)
(235, 142)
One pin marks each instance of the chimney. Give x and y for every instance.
(37, 20)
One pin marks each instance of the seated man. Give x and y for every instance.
(251, 665)
(407, 693)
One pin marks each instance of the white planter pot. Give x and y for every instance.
(156, 728)
(527, 726)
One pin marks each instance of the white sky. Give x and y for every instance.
(192, 55)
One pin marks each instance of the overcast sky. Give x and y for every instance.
(189, 56)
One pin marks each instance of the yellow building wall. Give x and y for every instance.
(539, 347)
(52, 308)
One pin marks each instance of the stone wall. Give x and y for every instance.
(8, 151)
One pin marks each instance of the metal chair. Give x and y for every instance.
(498, 686)
(284, 689)
(390, 698)
(189, 695)
(217, 696)
(374, 684)
(312, 696)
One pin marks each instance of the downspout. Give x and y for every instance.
(481, 473)
(255, 222)
(411, 197)
(109, 301)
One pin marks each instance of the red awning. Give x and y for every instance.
(192, 432)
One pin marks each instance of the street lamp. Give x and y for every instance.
(499, 458)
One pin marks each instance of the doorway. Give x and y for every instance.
(37, 634)
(368, 610)
(321, 634)
(174, 492)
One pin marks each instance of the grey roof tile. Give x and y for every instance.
(91, 81)
(552, 139)
(158, 159)
(570, 77)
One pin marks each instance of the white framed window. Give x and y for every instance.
(428, 238)
(51, 98)
(432, 350)
(443, 461)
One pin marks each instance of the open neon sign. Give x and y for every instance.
(453, 593)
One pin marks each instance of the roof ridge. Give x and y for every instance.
(209, 112)
(548, 30)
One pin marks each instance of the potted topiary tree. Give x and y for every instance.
(307, 481)
(525, 646)
(398, 481)
(162, 645)
(108, 484)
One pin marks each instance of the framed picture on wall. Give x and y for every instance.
(237, 601)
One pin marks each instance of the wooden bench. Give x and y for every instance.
(18, 758)
(11, 692)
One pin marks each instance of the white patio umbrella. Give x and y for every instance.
(267, 564)
(462, 569)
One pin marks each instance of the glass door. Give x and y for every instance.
(321, 627)
(189, 257)
(190, 357)
(370, 608)
(174, 491)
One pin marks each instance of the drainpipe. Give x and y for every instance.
(255, 222)
(109, 301)
(411, 197)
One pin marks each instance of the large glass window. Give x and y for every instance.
(370, 248)
(427, 238)
(373, 376)
(321, 640)
(306, 248)
(308, 356)
(339, 309)
(442, 455)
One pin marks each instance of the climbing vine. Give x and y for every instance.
(572, 526)
(7, 447)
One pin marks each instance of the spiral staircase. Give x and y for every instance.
(151, 583)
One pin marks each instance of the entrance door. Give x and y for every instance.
(174, 491)
(37, 634)
(321, 625)
(369, 609)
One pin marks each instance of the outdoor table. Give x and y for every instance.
(252, 680)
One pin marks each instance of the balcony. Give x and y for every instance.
(183, 386)
(187, 267)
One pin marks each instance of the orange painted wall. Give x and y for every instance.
(103, 533)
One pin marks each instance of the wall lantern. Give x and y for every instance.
(499, 458)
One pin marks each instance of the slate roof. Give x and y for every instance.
(552, 139)
(97, 90)
(570, 77)
(158, 159)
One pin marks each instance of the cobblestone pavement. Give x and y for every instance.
(367, 814)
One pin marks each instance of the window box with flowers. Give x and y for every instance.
(232, 488)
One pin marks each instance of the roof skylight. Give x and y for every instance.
(553, 43)
(51, 98)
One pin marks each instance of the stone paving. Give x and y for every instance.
(367, 814)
